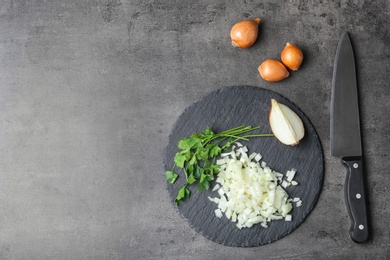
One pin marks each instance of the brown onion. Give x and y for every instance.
(244, 33)
(292, 56)
(273, 70)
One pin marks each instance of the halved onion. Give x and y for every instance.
(286, 125)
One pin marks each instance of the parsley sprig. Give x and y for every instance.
(197, 155)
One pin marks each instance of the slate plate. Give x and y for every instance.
(244, 105)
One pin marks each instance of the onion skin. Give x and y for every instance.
(244, 33)
(292, 56)
(273, 70)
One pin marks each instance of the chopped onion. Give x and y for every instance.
(221, 162)
(290, 175)
(238, 144)
(218, 213)
(250, 192)
(285, 184)
(252, 156)
(298, 202)
(296, 199)
(216, 187)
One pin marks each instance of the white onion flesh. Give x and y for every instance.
(250, 192)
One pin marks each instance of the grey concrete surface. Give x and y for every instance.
(89, 91)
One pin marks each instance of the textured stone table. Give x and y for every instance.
(89, 91)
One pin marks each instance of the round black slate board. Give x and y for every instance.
(243, 105)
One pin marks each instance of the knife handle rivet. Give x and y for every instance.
(355, 165)
(361, 227)
(358, 195)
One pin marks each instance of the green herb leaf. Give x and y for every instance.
(205, 184)
(190, 170)
(193, 160)
(191, 179)
(208, 132)
(215, 150)
(188, 143)
(170, 176)
(187, 154)
(202, 177)
(228, 144)
(202, 153)
(198, 172)
(182, 194)
(207, 165)
(211, 171)
(179, 160)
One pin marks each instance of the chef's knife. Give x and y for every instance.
(345, 137)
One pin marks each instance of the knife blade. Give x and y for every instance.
(345, 137)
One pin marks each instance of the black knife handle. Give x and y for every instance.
(356, 199)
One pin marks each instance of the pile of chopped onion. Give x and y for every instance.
(250, 192)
